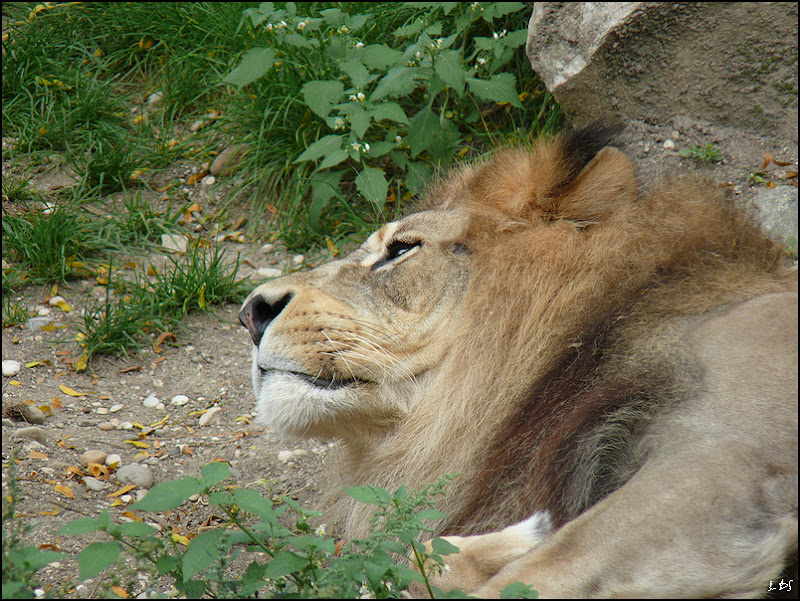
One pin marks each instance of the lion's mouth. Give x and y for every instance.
(315, 381)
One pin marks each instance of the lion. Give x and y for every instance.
(612, 372)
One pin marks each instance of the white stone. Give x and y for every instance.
(285, 456)
(669, 145)
(209, 415)
(43, 312)
(53, 302)
(179, 400)
(151, 402)
(113, 460)
(298, 260)
(268, 248)
(11, 367)
(102, 411)
(208, 180)
(269, 272)
(115, 408)
(155, 98)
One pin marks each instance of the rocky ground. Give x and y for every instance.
(191, 402)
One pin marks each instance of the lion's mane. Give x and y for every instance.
(580, 286)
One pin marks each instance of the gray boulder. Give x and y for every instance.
(731, 63)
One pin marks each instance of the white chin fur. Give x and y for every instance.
(294, 408)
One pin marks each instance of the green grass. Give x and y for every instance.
(50, 246)
(77, 79)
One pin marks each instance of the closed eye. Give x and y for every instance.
(397, 249)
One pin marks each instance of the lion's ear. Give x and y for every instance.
(608, 181)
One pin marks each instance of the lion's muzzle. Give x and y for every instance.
(259, 311)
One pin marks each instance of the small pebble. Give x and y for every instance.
(93, 456)
(268, 248)
(669, 145)
(53, 302)
(106, 426)
(206, 418)
(102, 411)
(208, 180)
(33, 433)
(151, 402)
(115, 408)
(179, 400)
(269, 272)
(285, 456)
(137, 474)
(11, 367)
(113, 460)
(93, 483)
(298, 260)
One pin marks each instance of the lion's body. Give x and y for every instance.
(626, 364)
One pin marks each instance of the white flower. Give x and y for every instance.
(343, 29)
(320, 531)
(360, 45)
(418, 55)
(439, 42)
(356, 146)
(481, 60)
(302, 25)
(398, 140)
(281, 24)
(269, 27)
(502, 34)
(366, 147)
(339, 122)
(476, 6)
(357, 97)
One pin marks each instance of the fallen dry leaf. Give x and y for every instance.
(767, 161)
(121, 491)
(69, 391)
(65, 490)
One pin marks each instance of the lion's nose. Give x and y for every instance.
(260, 311)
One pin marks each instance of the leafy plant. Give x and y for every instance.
(302, 561)
(708, 153)
(378, 108)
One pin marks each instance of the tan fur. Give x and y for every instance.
(541, 341)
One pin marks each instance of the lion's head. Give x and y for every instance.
(540, 274)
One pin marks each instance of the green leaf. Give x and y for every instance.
(31, 559)
(503, 8)
(418, 176)
(320, 96)
(168, 495)
(359, 122)
(443, 547)
(204, 549)
(322, 147)
(379, 57)
(135, 529)
(430, 514)
(96, 557)
(79, 526)
(295, 39)
(284, 563)
(356, 71)
(334, 158)
(388, 110)
(518, 590)
(421, 131)
(399, 81)
(256, 62)
(373, 186)
(214, 472)
(371, 495)
(450, 67)
(324, 186)
(500, 88)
